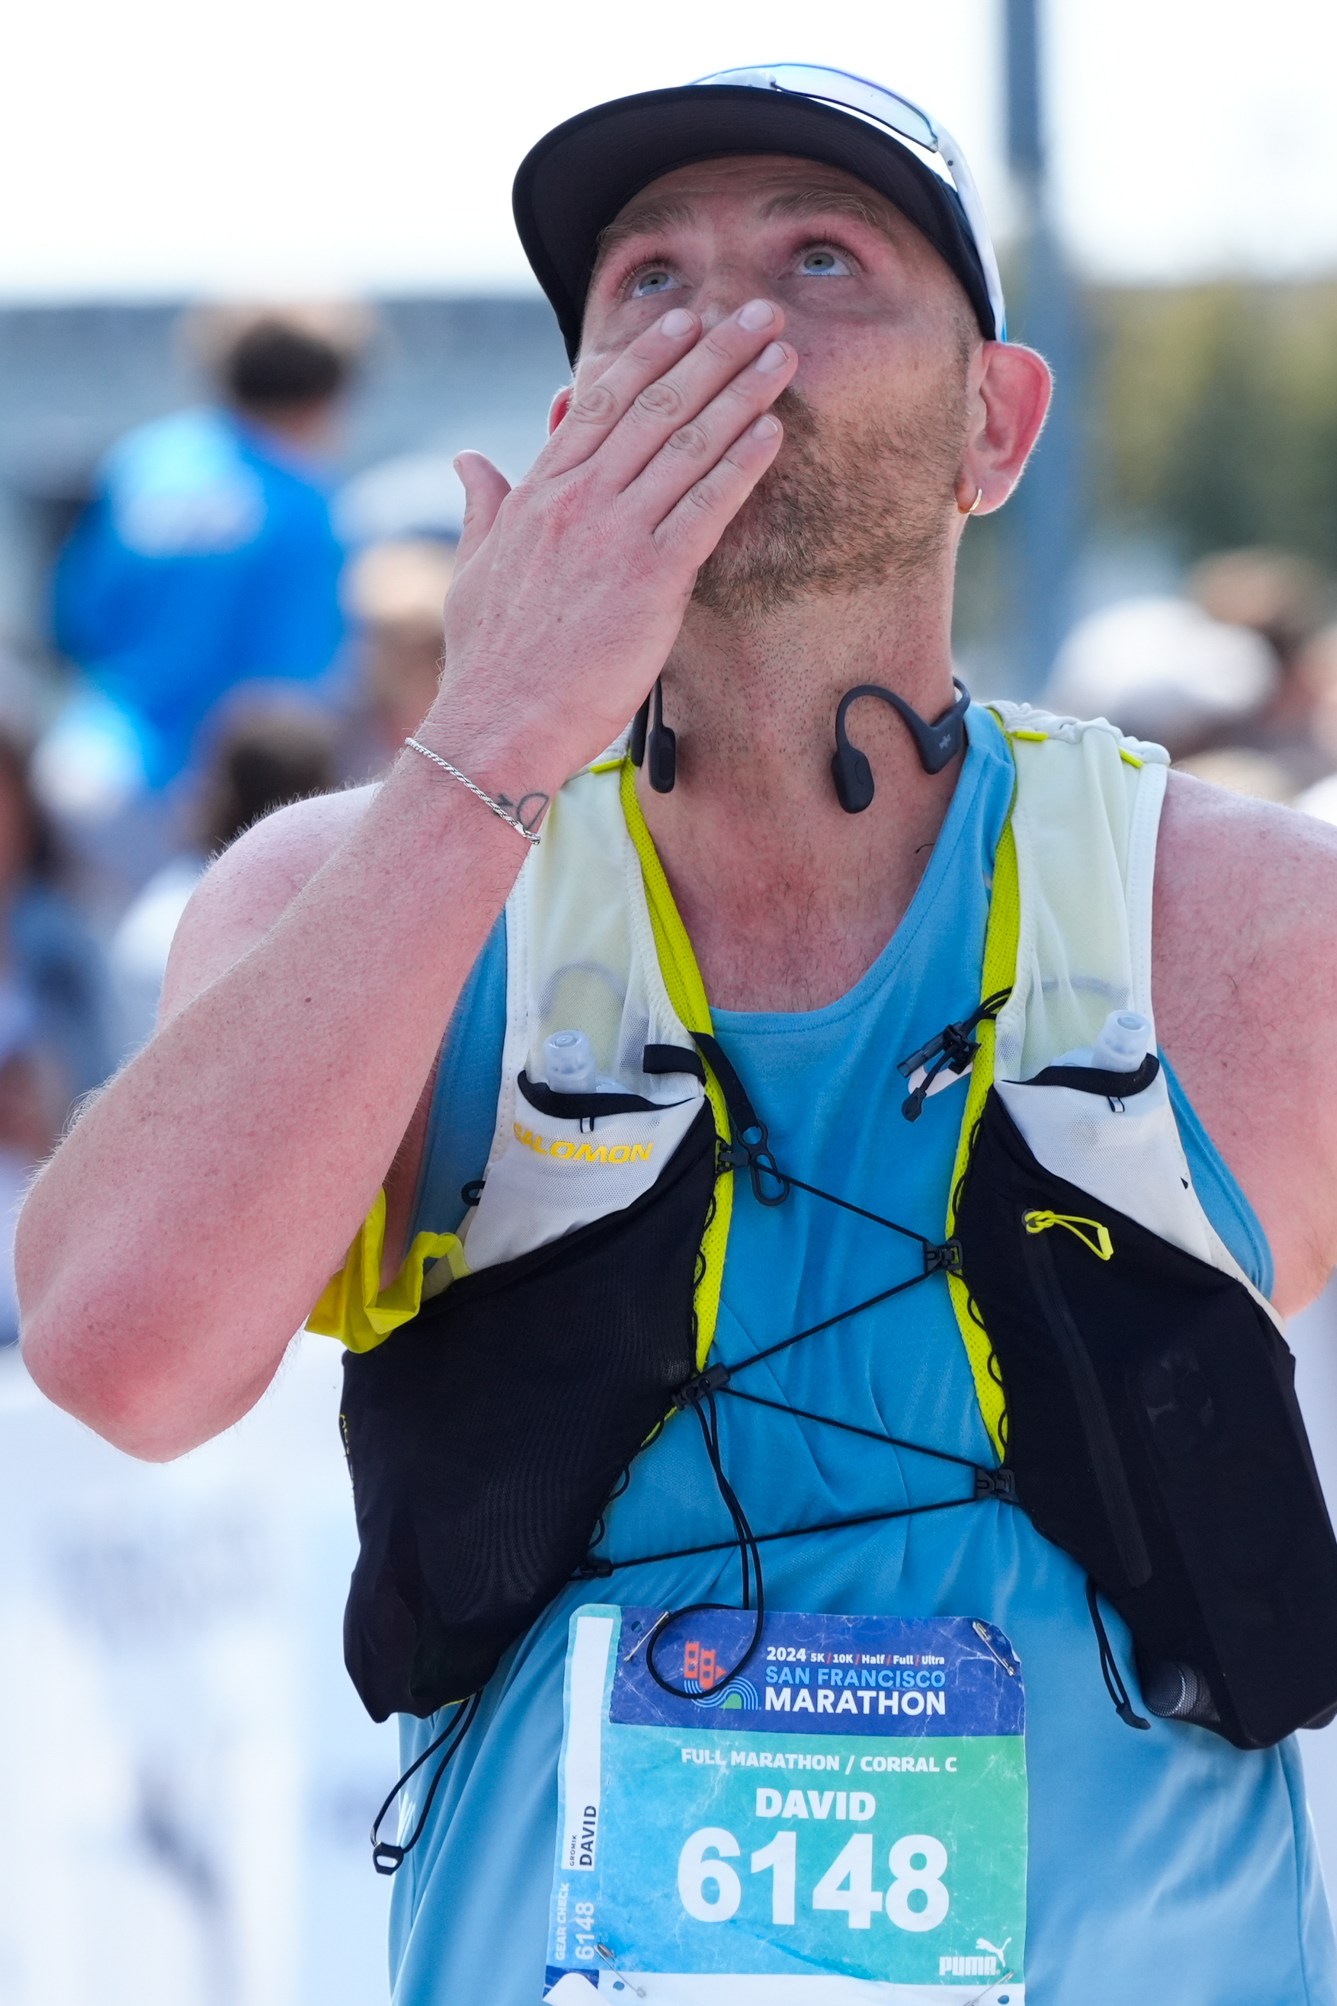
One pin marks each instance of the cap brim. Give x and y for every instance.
(573, 183)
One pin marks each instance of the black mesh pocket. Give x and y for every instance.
(1153, 1432)
(484, 1437)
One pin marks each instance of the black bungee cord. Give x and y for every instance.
(953, 1047)
(750, 1150)
(388, 1858)
(1109, 1664)
(749, 1556)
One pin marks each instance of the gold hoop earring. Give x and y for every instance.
(979, 497)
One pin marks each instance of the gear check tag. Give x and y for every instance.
(843, 1822)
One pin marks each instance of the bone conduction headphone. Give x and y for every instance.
(937, 742)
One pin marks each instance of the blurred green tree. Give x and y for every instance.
(1213, 415)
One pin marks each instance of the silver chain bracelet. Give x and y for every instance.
(530, 835)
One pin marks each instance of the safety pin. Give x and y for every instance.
(1011, 1671)
(607, 1956)
(658, 1624)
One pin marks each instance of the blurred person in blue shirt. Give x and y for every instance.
(206, 557)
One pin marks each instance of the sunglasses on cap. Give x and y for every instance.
(899, 115)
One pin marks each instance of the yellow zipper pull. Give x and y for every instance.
(1098, 1239)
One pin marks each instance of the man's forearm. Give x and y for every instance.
(184, 1228)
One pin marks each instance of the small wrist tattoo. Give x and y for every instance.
(528, 811)
(523, 815)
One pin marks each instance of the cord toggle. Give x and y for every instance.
(701, 1385)
(951, 1051)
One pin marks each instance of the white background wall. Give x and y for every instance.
(186, 1775)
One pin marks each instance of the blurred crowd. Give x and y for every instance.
(1236, 676)
(225, 641)
(231, 634)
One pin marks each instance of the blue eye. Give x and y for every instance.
(822, 262)
(653, 279)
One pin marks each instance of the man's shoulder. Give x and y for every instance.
(298, 838)
(1245, 930)
(1246, 872)
(252, 883)
(1244, 951)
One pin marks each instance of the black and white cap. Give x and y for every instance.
(578, 177)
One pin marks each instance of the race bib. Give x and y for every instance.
(842, 1823)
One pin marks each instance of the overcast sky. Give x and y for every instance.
(160, 146)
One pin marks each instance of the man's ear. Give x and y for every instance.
(1013, 395)
(559, 407)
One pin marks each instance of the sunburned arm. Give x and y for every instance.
(1245, 981)
(192, 1216)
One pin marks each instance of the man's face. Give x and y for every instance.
(863, 489)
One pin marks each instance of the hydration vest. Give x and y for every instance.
(1134, 1385)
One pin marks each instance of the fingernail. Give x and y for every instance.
(773, 356)
(676, 324)
(766, 427)
(756, 315)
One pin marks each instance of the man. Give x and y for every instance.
(788, 398)
(206, 557)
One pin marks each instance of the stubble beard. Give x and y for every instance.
(843, 508)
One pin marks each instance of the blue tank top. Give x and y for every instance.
(1162, 1865)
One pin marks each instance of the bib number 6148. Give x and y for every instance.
(711, 1890)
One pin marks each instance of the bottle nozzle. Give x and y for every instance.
(568, 1063)
(1124, 1042)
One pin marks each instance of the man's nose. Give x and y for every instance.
(725, 291)
(718, 307)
